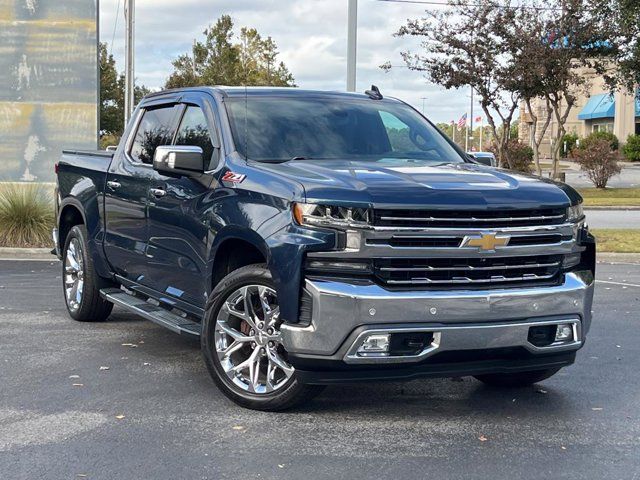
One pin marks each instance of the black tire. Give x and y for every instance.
(91, 307)
(519, 379)
(292, 393)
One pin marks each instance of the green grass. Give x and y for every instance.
(610, 196)
(617, 240)
(26, 215)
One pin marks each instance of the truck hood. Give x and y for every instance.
(412, 184)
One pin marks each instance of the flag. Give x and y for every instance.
(478, 120)
(462, 122)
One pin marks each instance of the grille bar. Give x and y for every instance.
(467, 280)
(469, 267)
(483, 272)
(472, 219)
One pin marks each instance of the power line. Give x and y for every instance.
(429, 2)
(115, 25)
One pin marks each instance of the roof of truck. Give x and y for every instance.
(260, 91)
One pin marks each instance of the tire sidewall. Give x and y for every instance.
(250, 275)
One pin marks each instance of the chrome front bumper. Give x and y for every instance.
(460, 319)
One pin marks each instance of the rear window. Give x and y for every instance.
(155, 129)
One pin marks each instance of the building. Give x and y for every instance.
(596, 110)
(48, 84)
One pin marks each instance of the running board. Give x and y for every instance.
(156, 314)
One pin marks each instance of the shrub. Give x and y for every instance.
(520, 156)
(608, 136)
(26, 215)
(569, 141)
(108, 140)
(631, 149)
(598, 161)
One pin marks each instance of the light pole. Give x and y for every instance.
(129, 61)
(352, 45)
(423, 99)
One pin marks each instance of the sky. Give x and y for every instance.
(311, 36)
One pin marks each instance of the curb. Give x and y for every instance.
(612, 207)
(13, 253)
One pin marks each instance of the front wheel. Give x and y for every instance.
(242, 345)
(518, 379)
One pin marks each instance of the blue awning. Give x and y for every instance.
(599, 106)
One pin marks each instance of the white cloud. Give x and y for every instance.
(311, 36)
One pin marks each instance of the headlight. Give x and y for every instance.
(575, 213)
(331, 216)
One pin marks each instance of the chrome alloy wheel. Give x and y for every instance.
(248, 341)
(73, 274)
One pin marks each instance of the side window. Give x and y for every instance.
(154, 129)
(404, 140)
(398, 133)
(194, 131)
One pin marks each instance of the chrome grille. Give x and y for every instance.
(469, 219)
(468, 272)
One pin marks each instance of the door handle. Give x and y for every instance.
(113, 185)
(157, 192)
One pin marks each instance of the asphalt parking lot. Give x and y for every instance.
(126, 399)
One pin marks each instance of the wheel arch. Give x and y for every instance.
(235, 248)
(71, 214)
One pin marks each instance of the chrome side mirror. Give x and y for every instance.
(178, 159)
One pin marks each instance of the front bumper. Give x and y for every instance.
(462, 321)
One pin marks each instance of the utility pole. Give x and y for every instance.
(129, 61)
(352, 45)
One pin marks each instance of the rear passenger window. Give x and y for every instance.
(154, 129)
(194, 131)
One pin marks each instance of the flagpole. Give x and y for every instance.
(453, 130)
(481, 129)
(466, 139)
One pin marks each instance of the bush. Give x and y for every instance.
(520, 156)
(108, 140)
(569, 141)
(26, 215)
(631, 149)
(598, 161)
(608, 136)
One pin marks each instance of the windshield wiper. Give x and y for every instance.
(303, 158)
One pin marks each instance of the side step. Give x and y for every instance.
(156, 314)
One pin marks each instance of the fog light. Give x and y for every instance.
(564, 332)
(375, 344)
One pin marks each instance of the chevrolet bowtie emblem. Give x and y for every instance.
(485, 241)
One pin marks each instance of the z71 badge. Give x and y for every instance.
(233, 177)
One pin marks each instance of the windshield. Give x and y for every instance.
(286, 128)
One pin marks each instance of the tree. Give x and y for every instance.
(112, 96)
(508, 53)
(621, 18)
(219, 61)
(465, 46)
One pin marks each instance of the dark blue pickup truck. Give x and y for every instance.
(310, 238)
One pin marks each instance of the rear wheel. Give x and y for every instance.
(242, 345)
(519, 379)
(80, 283)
